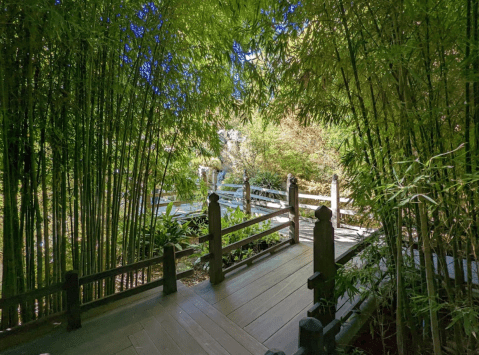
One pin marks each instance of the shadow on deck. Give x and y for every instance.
(256, 308)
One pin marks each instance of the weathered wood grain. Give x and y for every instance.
(128, 351)
(234, 282)
(202, 337)
(245, 339)
(249, 292)
(286, 338)
(175, 330)
(250, 311)
(143, 344)
(159, 336)
(271, 321)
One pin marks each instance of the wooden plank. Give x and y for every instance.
(254, 221)
(227, 341)
(183, 253)
(34, 294)
(213, 294)
(143, 344)
(118, 296)
(202, 337)
(120, 270)
(259, 188)
(103, 336)
(249, 292)
(250, 311)
(269, 204)
(286, 338)
(159, 336)
(257, 256)
(128, 351)
(271, 321)
(315, 197)
(269, 199)
(184, 341)
(241, 336)
(245, 241)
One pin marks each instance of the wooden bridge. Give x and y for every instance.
(251, 307)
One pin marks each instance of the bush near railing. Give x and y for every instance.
(216, 231)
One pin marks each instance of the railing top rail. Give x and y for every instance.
(120, 270)
(255, 220)
(262, 189)
(33, 294)
(239, 244)
(229, 185)
(353, 251)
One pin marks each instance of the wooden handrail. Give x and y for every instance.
(120, 270)
(353, 251)
(34, 294)
(245, 241)
(262, 189)
(256, 256)
(255, 220)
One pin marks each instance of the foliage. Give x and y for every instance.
(102, 103)
(266, 180)
(236, 216)
(167, 230)
(286, 147)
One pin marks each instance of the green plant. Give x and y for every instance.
(234, 217)
(167, 230)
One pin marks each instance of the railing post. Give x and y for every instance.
(311, 336)
(72, 287)
(214, 228)
(246, 194)
(293, 200)
(335, 202)
(325, 265)
(169, 269)
(214, 177)
(288, 183)
(204, 177)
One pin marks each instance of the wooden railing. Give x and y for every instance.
(248, 199)
(314, 338)
(214, 237)
(72, 283)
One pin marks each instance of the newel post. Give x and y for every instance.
(246, 194)
(214, 228)
(169, 269)
(72, 287)
(335, 202)
(325, 265)
(311, 336)
(293, 200)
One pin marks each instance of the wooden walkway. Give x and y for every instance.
(256, 308)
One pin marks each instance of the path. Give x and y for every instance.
(255, 308)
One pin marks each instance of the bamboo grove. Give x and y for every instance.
(405, 75)
(102, 102)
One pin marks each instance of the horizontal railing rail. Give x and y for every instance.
(214, 237)
(72, 283)
(30, 295)
(256, 220)
(243, 196)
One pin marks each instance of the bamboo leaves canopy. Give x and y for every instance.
(102, 102)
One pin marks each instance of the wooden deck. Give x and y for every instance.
(256, 308)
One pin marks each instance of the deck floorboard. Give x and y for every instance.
(254, 309)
